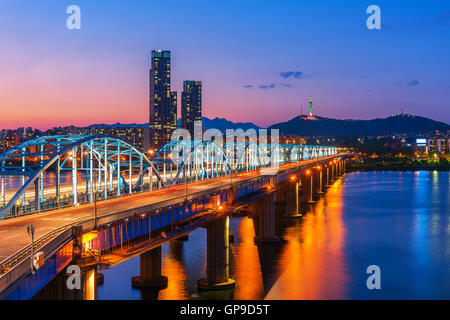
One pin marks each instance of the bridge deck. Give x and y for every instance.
(13, 232)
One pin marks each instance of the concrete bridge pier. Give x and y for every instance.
(150, 267)
(325, 177)
(280, 195)
(307, 187)
(264, 212)
(333, 173)
(292, 200)
(342, 167)
(339, 168)
(217, 257)
(318, 188)
(58, 288)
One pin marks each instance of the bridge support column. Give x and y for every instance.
(292, 201)
(307, 187)
(150, 276)
(265, 210)
(217, 256)
(333, 173)
(325, 177)
(280, 196)
(342, 167)
(317, 184)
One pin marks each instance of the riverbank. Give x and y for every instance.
(399, 164)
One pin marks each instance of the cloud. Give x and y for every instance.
(412, 83)
(287, 74)
(364, 76)
(266, 87)
(294, 74)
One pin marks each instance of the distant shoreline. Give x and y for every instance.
(393, 170)
(399, 164)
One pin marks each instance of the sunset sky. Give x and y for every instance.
(258, 60)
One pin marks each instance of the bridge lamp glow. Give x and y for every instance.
(308, 172)
(293, 178)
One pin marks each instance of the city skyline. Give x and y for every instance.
(354, 72)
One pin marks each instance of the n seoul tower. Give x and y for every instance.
(311, 117)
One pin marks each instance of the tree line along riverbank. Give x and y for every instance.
(397, 163)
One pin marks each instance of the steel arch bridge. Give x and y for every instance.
(71, 170)
(184, 161)
(109, 166)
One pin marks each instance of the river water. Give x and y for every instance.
(399, 221)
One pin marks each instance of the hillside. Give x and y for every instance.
(398, 124)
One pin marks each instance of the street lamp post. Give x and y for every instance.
(95, 210)
(31, 230)
(185, 182)
(95, 202)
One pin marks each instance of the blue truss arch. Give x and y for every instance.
(110, 166)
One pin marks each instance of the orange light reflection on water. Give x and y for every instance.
(173, 268)
(313, 260)
(246, 264)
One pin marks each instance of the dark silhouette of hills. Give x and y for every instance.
(224, 124)
(326, 127)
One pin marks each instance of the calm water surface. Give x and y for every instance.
(399, 221)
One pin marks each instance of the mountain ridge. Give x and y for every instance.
(396, 124)
(323, 126)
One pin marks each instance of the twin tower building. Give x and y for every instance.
(164, 102)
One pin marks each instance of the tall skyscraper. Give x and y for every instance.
(191, 105)
(163, 102)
